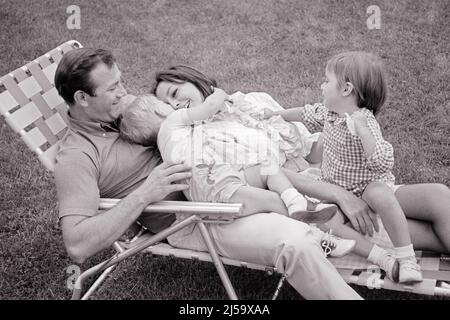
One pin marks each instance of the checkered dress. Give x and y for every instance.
(344, 161)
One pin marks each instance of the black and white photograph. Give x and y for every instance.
(203, 151)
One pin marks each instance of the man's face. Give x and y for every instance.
(105, 105)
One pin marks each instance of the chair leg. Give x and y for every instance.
(280, 284)
(123, 254)
(217, 262)
(104, 274)
(98, 282)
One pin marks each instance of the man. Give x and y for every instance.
(93, 163)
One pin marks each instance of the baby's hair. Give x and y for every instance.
(182, 74)
(366, 73)
(139, 122)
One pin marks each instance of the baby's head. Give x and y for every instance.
(365, 72)
(141, 121)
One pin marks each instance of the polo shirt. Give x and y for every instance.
(93, 162)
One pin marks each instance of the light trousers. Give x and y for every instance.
(274, 240)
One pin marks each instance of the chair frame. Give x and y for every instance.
(32, 107)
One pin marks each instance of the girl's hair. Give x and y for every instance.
(140, 122)
(182, 74)
(366, 73)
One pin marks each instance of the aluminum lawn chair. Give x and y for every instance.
(32, 107)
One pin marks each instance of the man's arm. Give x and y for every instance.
(356, 210)
(84, 236)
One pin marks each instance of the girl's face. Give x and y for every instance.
(179, 95)
(331, 92)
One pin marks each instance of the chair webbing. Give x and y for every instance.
(31, 104)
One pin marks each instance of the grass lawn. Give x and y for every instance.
(276, 46)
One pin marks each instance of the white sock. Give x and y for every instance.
(293, 200)
(404, 252)
(376, 253)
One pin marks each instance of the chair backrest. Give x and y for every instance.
(32, 106)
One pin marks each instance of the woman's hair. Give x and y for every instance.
(73, 71)
(366, 73)
(182, 74)
(140, 122)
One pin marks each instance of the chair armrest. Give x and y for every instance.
(203, 209)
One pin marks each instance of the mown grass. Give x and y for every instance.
(279, 47)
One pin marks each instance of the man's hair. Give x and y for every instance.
(366, 73)
(182, 74)
(73, 71)
(140, 122)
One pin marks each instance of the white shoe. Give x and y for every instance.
(410, 270)
(313, 213)
(306, 209)
(390, 265)
(334, 246)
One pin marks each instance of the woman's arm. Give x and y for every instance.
(212, 104)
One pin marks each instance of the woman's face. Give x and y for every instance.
(179, 95)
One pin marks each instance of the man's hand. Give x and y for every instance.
(161, 181)
(362, 218)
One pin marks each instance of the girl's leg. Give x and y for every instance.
(299, 207)
(258, 200)
(381, 199)
(427, 206)
(277, 181)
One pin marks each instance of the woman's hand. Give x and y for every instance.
(362, 218)
(217, 98)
